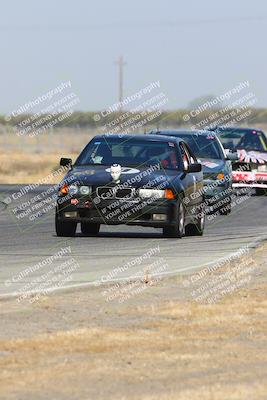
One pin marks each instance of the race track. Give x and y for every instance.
(25, 243)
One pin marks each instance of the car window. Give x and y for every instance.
(238, 139)
(204, 146)
(130, 152)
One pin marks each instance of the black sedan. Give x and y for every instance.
(217, 168)
(143, 180)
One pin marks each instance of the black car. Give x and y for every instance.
(217, 167)
(143, 180)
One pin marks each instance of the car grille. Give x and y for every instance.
(124, 193)
(106, 193)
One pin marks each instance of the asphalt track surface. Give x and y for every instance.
(26, 243)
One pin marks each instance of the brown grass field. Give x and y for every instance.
(24, 168)
(28, 160)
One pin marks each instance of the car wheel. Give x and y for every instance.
(261, 192)
(89, 229)
(176, 231)
(226, 208)
(64, 228)
(196, 229)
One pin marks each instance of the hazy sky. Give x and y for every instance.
(193, 47)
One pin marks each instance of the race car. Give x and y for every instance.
(127, 179)
(250, 170)
(217, 168)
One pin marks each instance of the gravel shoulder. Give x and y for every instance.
(160, 343)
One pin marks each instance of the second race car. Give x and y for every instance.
(217, 168)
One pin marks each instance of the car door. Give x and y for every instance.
(227, 166)
(197, 177)
(189, 179)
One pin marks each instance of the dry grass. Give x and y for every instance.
(27, 160)
(23, 168)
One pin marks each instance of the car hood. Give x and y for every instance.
(252, 156)
(211, 166)
(99, 175)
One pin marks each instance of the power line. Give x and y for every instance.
(132, 25)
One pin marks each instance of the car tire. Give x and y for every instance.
(196, 229)
(226, 208)
(177, 230)
(65, 229)
(261, 192)
(89, 229)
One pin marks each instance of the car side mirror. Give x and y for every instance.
(196, 167)
(66, 162)
(232, 156)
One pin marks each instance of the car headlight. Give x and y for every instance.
(85, 190)
(148, 193)
(156, 193)
(262, 168)
(73, 189)
(64, 189)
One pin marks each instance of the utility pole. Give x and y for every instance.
(120, 64)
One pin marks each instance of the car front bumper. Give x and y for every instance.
(159, 213)
(214, 193)
(250, 179)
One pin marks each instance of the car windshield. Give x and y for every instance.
(237, 139)
(203, 146)
(130, 153)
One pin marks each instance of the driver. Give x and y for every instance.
(249, 141)
(102, 155)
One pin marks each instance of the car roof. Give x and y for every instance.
(157, 138)
(234, 128)
(177, 132)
